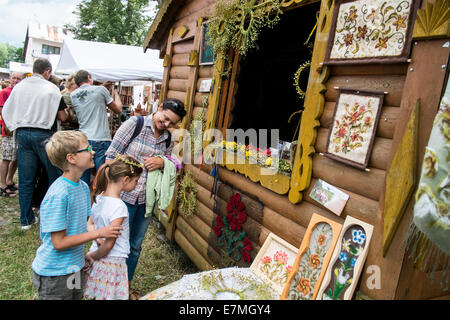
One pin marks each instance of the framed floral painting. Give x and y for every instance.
(274, 261)
(371, 31)
(355, 120)
(206, 51)
(312, 259)
(347, 261)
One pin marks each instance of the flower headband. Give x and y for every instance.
(131, 163)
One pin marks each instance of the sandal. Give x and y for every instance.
(6, 194)
(134, 295)
(13, 187)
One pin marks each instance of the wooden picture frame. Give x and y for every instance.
(347, 261)
(353, 127)
(276, 255)
(371, 31)
(312, 259)
(206, 55)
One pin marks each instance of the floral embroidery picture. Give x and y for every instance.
(311, 263)
(274, 261)
(353, 243)
(371, 31)
(354, 125)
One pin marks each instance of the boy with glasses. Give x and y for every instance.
(57, 268)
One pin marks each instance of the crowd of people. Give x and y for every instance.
(83, 184)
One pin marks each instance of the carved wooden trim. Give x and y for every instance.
(433, 21)
(401, 179)
(167, 63)
(193, 58)
(182, 31)
(314, 105)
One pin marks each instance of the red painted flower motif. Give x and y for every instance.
(281, 257)
(348, 39)
(266, 260)
(245, 251)
(219, 226)
(342, 132)
(236, 214)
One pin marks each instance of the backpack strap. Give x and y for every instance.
(137, 129)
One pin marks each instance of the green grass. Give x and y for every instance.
(160, 263)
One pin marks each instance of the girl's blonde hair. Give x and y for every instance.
(61, 144)
(122, 166)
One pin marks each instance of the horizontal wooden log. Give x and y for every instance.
(177, 95)
(349, 178)
(370, 69)
(198, 110)
(180, 59)
(379, 155)
(179, 72)
(191, 29)
(283, 227)
(357, 206)
(386, 124)
(263, 236)
(191, 252)
(200, 244)
(391, 84)
(198, 99)
(162, 217)
(178, 84)
(183, 47)
(205, 72)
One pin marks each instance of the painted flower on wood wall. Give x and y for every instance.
(228, 229)
(303, 284)
(349, 129)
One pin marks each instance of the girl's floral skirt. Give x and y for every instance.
(108, 280)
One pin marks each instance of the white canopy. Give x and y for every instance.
(106, 61)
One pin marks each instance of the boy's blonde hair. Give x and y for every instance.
(61, 144)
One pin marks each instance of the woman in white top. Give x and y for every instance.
(108, 276)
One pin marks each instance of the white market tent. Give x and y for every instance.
(106, 61)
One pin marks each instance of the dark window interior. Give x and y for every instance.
(266, 96)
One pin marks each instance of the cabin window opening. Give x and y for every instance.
(265, 95)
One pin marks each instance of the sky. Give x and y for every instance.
(16, 14)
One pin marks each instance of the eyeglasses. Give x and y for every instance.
(88, 149)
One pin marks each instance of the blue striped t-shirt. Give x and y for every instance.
(66, 206)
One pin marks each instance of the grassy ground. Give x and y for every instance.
(160, 263)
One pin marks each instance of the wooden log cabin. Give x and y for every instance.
(259, 93)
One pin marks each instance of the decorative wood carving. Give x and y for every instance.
(312, 259)
(182, 31)
(314, 105)
(193, 58)
(401, 179)
(167, 63)
(347, 261)
(433, 21)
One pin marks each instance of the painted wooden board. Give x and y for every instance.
(312, 259)
(274, 261)
(344, 269)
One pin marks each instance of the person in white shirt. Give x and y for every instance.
(32, 110)
(108, 276)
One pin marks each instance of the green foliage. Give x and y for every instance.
(238, 23)
(9, 53)
(112, 21)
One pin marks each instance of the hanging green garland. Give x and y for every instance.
(238, 23)
(187, 195)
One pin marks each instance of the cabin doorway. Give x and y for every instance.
(265, 95)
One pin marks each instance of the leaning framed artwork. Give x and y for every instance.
(355, 120)
(371, 31)
(274, 261)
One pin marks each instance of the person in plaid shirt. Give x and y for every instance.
(148, 144)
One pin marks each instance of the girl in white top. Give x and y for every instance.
(108, 277)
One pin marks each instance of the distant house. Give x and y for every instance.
(44, 41)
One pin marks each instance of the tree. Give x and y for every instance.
(112, 21)
(9, 53)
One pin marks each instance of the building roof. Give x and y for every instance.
(155, 38)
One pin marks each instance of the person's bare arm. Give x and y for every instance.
(116, 105)
(61, 241)
(108, 244)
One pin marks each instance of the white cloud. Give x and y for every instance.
(16, 14)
